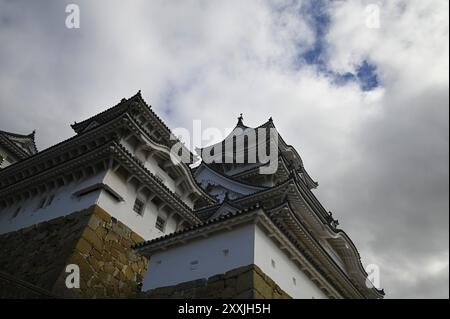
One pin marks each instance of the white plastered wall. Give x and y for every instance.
(63, 203)
(205, 257)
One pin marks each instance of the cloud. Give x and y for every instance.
(380, 155)
(404, 148)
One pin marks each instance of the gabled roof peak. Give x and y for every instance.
(268, 123)
(22, 145)
(240, 123)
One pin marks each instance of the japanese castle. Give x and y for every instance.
(135, 221)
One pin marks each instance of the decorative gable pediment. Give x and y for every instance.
(90, 126)
(225, 209)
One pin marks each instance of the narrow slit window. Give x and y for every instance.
(41, 203)
(16, 212)
(50, 200)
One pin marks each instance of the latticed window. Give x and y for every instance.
(138, 206)
(160, 223)
(159, 178)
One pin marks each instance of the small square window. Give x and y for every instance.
(138, 206)
(160, 223)
(194, 264)
(226, 252)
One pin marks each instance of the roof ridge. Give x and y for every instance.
(121, 103)
(31, 135)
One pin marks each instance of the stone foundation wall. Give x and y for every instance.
(109, 267)
(248, 282)
(13, 288)
(38, 254)
(99, 244)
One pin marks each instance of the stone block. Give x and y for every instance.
(123, 259)
(120, 230)
(129, 273)
(109, 268)
(101, 214)
(244, 281)
(247, 294)
(257, 295)
(215, 278)
(136, 238)
(101, 231)
(96, 254)
(135, 267)
(216, 286)
(83, 246)
(263, 288)
(165, 290)
(94, 222)
(125, 242)
(230, 282)
(93, 239)
(236, 272)
(228, 293)
(111, 237)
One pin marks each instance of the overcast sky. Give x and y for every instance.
(366, 105)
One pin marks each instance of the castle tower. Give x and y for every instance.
(120, 201)
(267, 237)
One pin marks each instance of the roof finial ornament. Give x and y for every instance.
(240, 120)
(270, 119)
